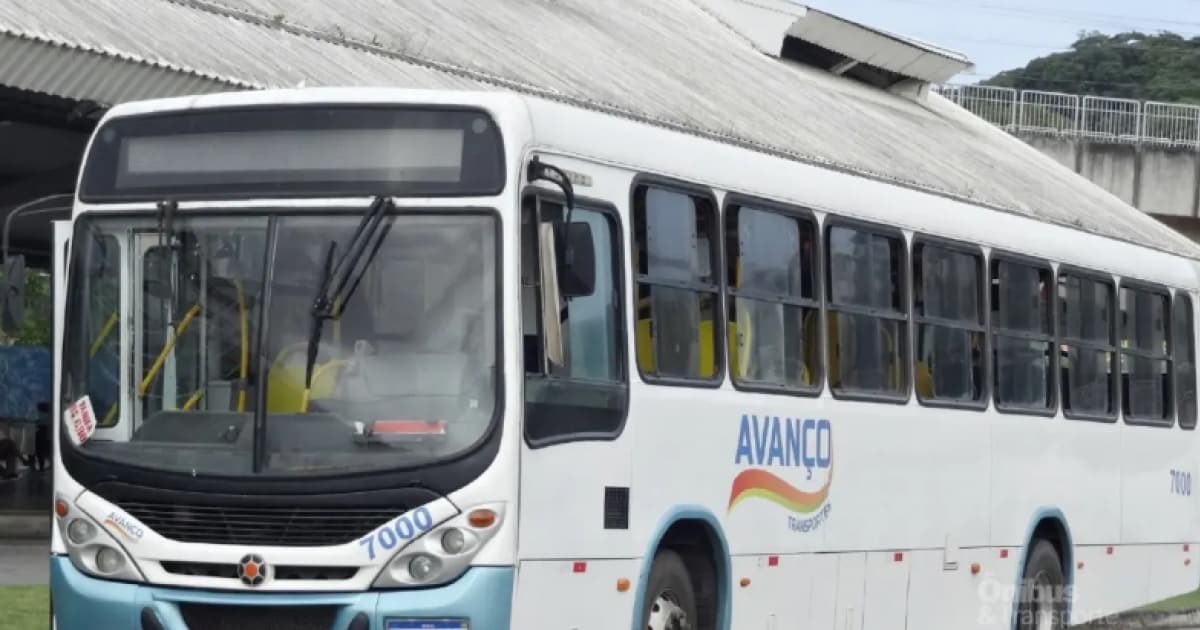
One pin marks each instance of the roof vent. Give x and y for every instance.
(805, 35)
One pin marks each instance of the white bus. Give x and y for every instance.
(388, 359)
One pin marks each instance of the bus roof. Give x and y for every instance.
(674, 63)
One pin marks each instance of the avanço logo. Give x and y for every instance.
(799, 454)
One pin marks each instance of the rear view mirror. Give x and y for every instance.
(14, 294)
(157, 272)
(576, 261)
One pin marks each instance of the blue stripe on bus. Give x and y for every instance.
(483, 595)
(676, 514)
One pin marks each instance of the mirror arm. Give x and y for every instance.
(539, 170)
(30, 208)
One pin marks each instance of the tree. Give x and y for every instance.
(1152, 67)
(37, 329)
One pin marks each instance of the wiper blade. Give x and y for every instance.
(320, 312)
(331, 296)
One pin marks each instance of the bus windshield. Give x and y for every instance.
(190, 338)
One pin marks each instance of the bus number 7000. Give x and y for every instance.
(1181, 483)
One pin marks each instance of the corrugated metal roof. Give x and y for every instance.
(665, 61)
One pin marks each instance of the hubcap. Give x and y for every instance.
(667, 614)
(1043, 602)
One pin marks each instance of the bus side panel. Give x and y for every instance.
(941, 597)
(1045, 466)
(822, 600)
(1158, 475)
(886, 604)
(557, 594)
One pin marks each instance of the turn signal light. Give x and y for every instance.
(745, 582)
(61, 508)
(481, 519)
(622, 585)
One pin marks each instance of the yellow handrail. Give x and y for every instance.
(170, 345)
(195, 398)
(245, 363)
(107, 329)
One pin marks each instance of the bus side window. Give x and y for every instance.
(868, 312)
(1022, 336)
(948, 309)
(774, 315)
(675, 250)
(1087, 334)
(585, 396)
(1145, 356)
(1184, 338)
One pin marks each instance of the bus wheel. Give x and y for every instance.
(1042, 604)
(670, 602)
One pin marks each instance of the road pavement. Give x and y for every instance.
(24, 562)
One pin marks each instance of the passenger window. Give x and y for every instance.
(774, 315)
(585, 395)
(1184, 338)
(1088, 348)
(677, 287)
(1145, 356)
(1022, 336)
(867, 329)
(948, 307)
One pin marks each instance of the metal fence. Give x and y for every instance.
(1093, 117)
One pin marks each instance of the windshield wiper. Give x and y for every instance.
(331, 293)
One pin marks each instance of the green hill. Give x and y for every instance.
(1153, 67)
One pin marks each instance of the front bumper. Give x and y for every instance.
(482, 596)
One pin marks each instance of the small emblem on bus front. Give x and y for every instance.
(252, 570)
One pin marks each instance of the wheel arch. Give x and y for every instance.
(688, 519)
(1049, 524)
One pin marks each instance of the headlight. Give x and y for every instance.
(444, 552)
(454, 541)
(109, 560)
(80, 530)
(422, 566)
(94, 551)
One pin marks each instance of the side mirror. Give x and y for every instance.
(156, 266)
(14, 293)
(576, 261)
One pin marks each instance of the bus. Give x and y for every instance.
(385, 359)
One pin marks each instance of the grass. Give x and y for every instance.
(1179, 603)
(24, 607)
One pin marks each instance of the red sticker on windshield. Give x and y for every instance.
(408, 427)
(81, 420)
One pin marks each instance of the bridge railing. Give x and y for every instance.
(1092, 117)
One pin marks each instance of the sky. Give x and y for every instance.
(1000, 35)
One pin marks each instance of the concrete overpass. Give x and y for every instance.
(1146, 153)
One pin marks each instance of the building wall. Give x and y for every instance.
(1161, 180)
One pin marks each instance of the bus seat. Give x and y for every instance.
(285, 382)
(924, 380)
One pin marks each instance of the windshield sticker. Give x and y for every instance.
(398, 532)
(408, 427)
(81, 420)
(125, 526)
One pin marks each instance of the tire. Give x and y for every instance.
(670, 597)
(1042, 601)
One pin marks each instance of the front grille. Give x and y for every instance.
(280, 572)
(263, 526)
(213, 617)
